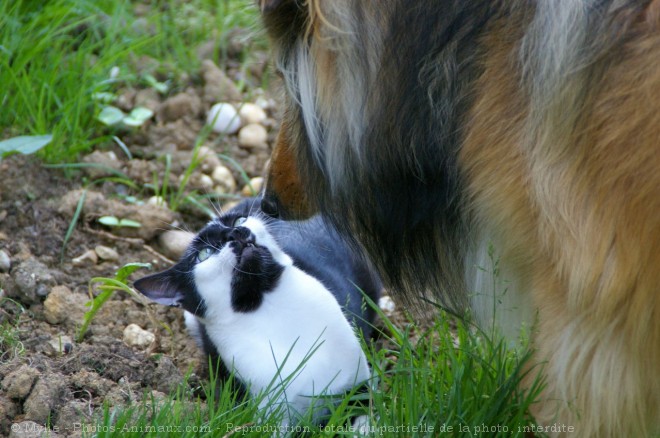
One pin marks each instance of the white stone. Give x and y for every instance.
(224, 178)
(136, 336)
(205, 181)
(208, 159)
(251, 113)
(223, 118)
(157, 201)
(5, 262)
(253, 136)
(106, 253)
(256, 183)
(89, 257)
(387, 305)
(173, 243)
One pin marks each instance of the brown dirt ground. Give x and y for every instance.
(45, 374)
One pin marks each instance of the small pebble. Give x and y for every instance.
(224, 178)
(256, 184)
(205, 181)
(56, 305)
(264, 103)
(252, 113)
(136, 336)
(208, 159)
(18, 383)
(387, 305)
(106, 253)
(253, 136)
(223, 118)
(157, 201)
(5, 262)
(87, 258)
(173, 243)
(32, 279)
(198, 181)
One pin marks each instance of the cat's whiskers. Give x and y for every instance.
(200, 305)
(252, 206)
(256, 274)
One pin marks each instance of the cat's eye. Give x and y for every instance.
(239, 221)
(205, 253)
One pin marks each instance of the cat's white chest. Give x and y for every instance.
(297, 340)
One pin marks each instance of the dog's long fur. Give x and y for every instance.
(427, 130)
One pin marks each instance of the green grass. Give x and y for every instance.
(107, 287)
(453, 381)
(56, 56)
(10, 330)
(458, 381)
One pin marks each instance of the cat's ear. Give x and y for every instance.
(163, 288)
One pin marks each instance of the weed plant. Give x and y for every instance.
(61, 58)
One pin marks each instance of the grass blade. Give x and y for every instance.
(72, 224)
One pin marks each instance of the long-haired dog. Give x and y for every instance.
(429, 131)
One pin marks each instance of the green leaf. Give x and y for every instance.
(109, 221)
(112, 221)
(161, 87)
(126, 270)
(110, 115)
(108, 286)
(138, 116)
(104, 97)
(129, 223)
(74, 221)
(25, 144)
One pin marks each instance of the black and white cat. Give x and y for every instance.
(272, 301)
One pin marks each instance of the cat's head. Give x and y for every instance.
(229, 266)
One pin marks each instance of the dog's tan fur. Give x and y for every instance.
(584, 224)
(563, 175)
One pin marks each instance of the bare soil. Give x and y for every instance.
(46, 375)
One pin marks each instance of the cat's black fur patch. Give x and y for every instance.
(255, 274)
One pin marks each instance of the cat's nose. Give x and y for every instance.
(242, 235)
